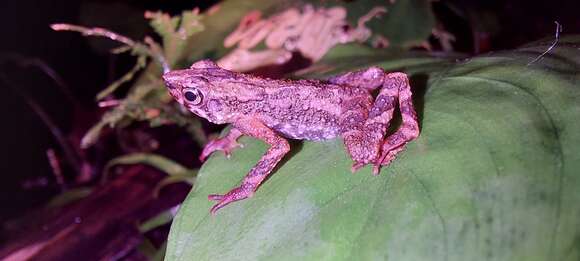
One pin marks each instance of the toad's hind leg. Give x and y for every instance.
(397, 86)
(365, 143)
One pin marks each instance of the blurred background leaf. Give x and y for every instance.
(407, 23)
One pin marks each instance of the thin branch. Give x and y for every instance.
(109, 103)
(95, 31)
(152, 51)
(558, 31)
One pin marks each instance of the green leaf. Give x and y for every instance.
(69, 196)
(177, 172)
(162, 163)
(493, 176)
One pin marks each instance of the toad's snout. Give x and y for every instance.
(171, 80)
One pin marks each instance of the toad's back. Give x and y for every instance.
(311, 110)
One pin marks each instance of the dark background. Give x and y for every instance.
(26, 179)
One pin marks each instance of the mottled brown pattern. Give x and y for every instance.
(272, 110)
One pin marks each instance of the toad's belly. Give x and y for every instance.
(302, 132)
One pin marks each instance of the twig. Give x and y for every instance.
(97, 31)
(558, 31)
(109, 103)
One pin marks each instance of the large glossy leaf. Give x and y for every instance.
(493, 176)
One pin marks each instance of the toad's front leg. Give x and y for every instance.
(278, 148)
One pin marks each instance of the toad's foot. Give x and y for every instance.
(226, 144)
(364, 140)
(386, 159)
(395, 144)
(235, 194)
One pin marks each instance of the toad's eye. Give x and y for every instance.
(193, 96)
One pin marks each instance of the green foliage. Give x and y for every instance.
(133, 107)
(162, 163)
(175, 31)
(493, 176)
(147, 98)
